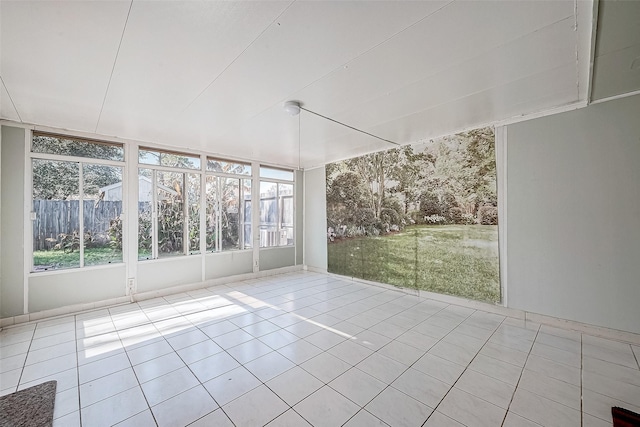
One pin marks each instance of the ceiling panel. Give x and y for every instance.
(170, 53)
(458, 32)
(310, 40)
(616, 68)
(212, 76)
(536, 53)
(7, 110)
(57, 57)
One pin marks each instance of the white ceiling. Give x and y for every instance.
(213, 76)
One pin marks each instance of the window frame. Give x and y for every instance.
(279, 203)
(184, 171)
(81, 161)
(218, 205)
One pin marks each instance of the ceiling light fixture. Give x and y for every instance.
(292, 108)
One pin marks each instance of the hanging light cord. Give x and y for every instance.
(350, 127)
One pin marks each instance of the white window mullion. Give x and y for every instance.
(81, 214)
(154, 215)
(219, 214)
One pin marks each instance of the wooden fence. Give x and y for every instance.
(55, 217)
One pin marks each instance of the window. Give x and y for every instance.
(168, 205)
(225, 166)
(149, 156)
(276, 208)
(76, 202)
(228, 213)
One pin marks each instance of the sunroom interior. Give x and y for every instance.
(184, 101)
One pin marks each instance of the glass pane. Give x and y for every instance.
(145, 203)
(75, 147)
(268, 214)
(102, 209)
(230, 213)
(246, 217)
(286, 197)
(212, 213)
(170, 187)
(272, 173)
(218, 165)
(56, 238)
(162, 158)
(193, 197)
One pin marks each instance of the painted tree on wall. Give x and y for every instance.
(440, 181)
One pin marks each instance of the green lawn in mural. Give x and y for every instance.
(459, 260)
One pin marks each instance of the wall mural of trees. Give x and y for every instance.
(422, 216)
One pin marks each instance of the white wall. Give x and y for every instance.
(12, 190)
(315, 221)
(573, 210)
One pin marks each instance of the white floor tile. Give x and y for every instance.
(490, 389)
(104, 387)
(439, 368)
(231, 385)
(199, 351)
(496, 369)
(299, 351)
(250, 350)
(157, 367)
(471, 410)
(233, 338)
(358, 386)
(326, 407)
(350, 352)
(550, 388)
(261, 328)
(66, 402)
(422, 387)
(553, 369)
(103, 413)
(294, 385)
(169, 385)
(397, 409)
(365, 419)
(265, 406)
(213, 366)
(269, 366)
(216, 418)
(289, 419)
(279, 339)
(400, 352)
(69, 420)
(218, 328)
(143, 419)
(381, 367)
(438, 419)
(187, 339)
(194, 404)
(514, 420)
(66, 380)
(325, 367)
(48, 367)
(543, 411)
(325, 339)
(149, 352)
(43, 354)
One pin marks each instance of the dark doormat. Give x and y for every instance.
(31, 407)
(624, 417)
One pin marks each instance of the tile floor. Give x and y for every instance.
(308, 349)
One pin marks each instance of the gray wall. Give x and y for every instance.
(12, 216)
(315, 221)
(573, 210)
(60, 288)
(299, 224)
(225, 264)
(164, 273)
(271, 258)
